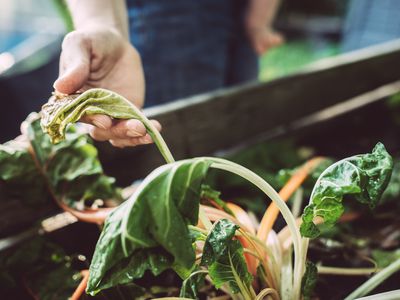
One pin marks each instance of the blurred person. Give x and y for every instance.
(370, 22)
(179, 48)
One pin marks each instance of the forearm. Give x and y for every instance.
(262, 13)
(110, 13)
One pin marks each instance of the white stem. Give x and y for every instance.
(345, 271)
(287, 275)
(229, 166)
(392, 295)
(375, 280)
(154, 133)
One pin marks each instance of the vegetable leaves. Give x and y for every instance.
(365, 177)
(150, 230)
(33, 170)
(225, 259)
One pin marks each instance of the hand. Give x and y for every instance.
(263, 38)
(101, 57)
(258, 25)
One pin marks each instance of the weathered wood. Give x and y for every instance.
(204, 124)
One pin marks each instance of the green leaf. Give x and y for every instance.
(32, 169)
(232, 269)
(216, 244)
(61, 111)
(155, 259)
(155, 217)
(309, 280)
(225, 259)
(364, 177)
(19, 176)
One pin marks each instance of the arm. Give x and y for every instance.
(259, 20)
(98, 54)
(92, 12)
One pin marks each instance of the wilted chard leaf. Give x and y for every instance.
(364, 177)
(61, 111)
(150, 230)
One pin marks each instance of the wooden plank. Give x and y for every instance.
(204, 124)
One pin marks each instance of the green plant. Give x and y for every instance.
(159, 226)
(33, 170)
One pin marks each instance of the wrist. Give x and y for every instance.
(255, 22)
(100, 13)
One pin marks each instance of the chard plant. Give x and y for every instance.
(164, 225)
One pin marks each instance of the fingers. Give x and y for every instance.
(121, 143)
(267, 40)
(74, 63)
(121, 133)
(100, 121)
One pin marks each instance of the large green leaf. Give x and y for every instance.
(224, 257)
(364, 177)
(154, 220)
(61, 111)
(32, 168)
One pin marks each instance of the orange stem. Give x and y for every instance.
(97, 216)
(289, 188)
(82, 286)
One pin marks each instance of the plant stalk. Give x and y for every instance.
(375, 280)
(287, 215)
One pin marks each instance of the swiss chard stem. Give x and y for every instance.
(375, 280)
(155, 135)
(287, 215)
(346, 271)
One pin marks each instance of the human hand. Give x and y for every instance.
(99, 56)
(263, 38)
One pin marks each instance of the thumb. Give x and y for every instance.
(74, 64)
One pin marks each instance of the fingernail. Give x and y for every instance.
(98, 124)
(133, 133)
(133, 130)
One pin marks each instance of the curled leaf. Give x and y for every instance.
(364, 177)
(58, 112)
